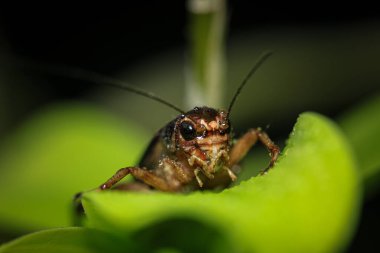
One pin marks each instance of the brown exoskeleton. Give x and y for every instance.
(194, 151)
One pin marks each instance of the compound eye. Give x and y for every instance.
(187, 130)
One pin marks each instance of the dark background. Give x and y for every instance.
(107, 39)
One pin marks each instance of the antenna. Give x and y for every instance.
(264, 56)
(97, 78)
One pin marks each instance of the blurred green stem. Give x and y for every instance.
(205, 79)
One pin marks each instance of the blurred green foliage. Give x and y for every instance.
(362, 126)
(62, 150)
(64, 240)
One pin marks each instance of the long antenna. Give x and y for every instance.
(264, 56)
(97, 78)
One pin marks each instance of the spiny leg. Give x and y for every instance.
(144, 175)
(148, 177)
(274, 150)
(120, 174)
(132, 187)
(244, 144)
(78, 207)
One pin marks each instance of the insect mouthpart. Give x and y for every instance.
(202, 136)
(213, 140)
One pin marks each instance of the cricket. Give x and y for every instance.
(194, 151)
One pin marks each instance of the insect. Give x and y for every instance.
(194, 151)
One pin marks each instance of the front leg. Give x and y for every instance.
(244, 144)
(148, 177)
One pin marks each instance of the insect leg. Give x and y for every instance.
(133, 187)
(120, 174)
(148, 177)
(244, 144)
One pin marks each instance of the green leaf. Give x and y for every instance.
(362, 127)
(62, 240)
(60, 151)
(308, 203)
